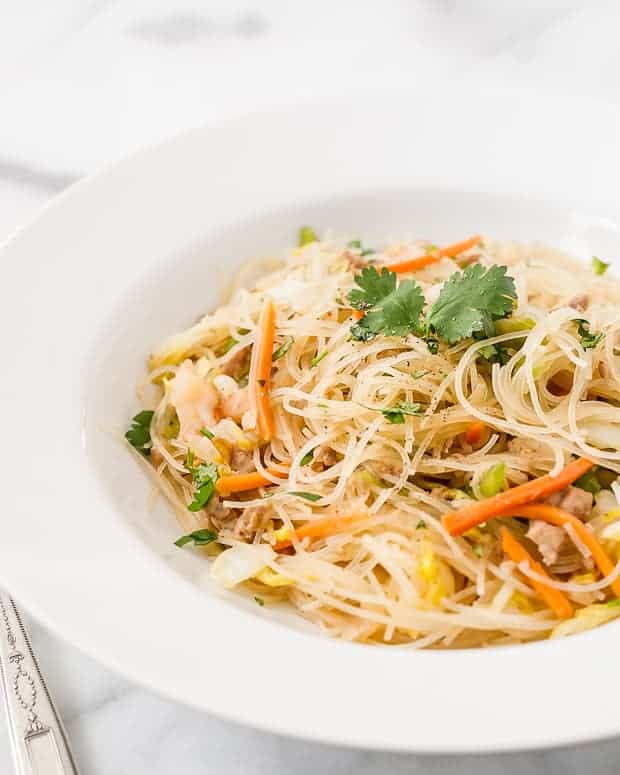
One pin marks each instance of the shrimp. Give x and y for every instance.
(200, 404)
(196, 403)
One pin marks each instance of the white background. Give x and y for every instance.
(84, 81)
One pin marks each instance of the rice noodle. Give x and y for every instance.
(395, 575)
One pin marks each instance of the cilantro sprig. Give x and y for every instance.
(469, 303)
(204, 476)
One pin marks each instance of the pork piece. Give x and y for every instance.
(574, 500)
(252, 519)
(241, 461)
(236, 364)
(548, 539)
(326, 456)
(554, 545)
(219, 515)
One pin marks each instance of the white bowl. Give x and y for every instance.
(140, 250)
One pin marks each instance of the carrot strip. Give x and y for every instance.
(260, 369)
(464, 519)
(321, 528)
(242, 482)
(412, 264)
(473, 434)
(554, 598)
(358, 314)
(556, 516)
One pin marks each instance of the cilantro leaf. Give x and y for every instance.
(421, 525)
(259, 600)
(399, 312)
(395, 414)
(470, 301)
(199, 537)
(589, 339)
(204, 477)
(139, 434)
(495, 353)
(374, 287)
(393, 311)
(307, 458)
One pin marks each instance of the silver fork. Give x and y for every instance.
(38, 738)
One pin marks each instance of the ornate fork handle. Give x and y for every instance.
(39, 741)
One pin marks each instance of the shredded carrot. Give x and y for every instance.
(412, 264)
(554, 598)
(358, 314)
(556, 516)
(260, 369)
(464, 519)
(242, 482)
(321, 528)
(473, 434)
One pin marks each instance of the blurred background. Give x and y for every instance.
(83, 82)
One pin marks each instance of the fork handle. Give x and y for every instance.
(37, 736)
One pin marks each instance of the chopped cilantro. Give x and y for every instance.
(307, 458)
(206, 432)
(283, 349)
(306, 235)
(598, 266)
(309, 496)
(613, 603)
(243, 331)
(589, 339)
(470, 301)
(421, 525)
(204, 477)
(395, 415)
(421, 373)
(495, 353)
(199, 537)
(139, 433)
(478, 551)
(259, 600)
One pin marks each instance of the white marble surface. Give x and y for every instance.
(84, 81)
